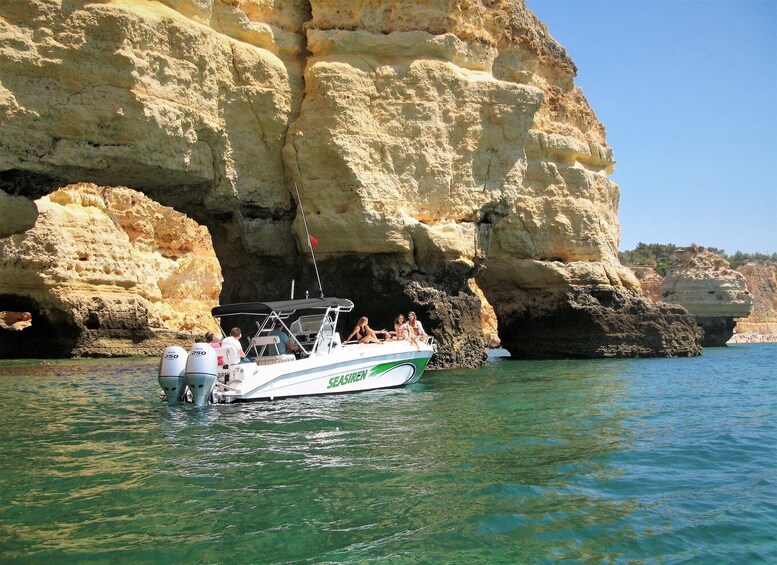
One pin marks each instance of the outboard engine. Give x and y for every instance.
(172, 368)
(201, 372)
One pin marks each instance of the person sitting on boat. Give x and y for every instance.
(213, 338)
(400, 327)
(285, 344)
(233, 341)
(364, 333)
(414, 327)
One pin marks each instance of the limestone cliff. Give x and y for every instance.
(107, 271)
(761, 279)
(704, 283)
(432, 144)
(454, 135)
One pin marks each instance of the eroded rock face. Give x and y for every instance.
(431, 143)
(704, 283)
(487, 317)
(134, 93)
(450, 141)
(761, 279)
(17, 214)
(108, 272)
(589, 322)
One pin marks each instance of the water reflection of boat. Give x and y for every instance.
(323, 365)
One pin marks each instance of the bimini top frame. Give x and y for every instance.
(282, 311)
(290, 306)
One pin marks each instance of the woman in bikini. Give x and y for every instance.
(415, 329)
(400, 327)
(364, 333)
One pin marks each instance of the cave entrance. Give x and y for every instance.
(46, 338)
(242, 275)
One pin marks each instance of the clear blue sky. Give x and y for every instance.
(687, 90)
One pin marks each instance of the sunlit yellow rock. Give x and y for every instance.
(111, 260)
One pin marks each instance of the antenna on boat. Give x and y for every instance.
(310, 243)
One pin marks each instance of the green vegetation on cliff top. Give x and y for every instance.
(661, 256)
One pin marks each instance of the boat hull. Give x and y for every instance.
(351, 369)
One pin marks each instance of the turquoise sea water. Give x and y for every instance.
(662, 460)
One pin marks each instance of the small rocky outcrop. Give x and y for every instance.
(704, 283)
(588, 322)
(761, 279)
(107, 271)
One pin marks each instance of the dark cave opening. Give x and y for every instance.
(92, 321)
(44, 339)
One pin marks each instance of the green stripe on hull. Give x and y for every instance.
(420, 365)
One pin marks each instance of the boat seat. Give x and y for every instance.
(261, 342)
(228, 355)
(273, 359)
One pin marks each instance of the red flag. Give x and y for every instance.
(313, 241)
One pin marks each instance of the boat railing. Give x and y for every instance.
(428, 341)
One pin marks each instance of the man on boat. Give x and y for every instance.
(284, 345)
(233, 341)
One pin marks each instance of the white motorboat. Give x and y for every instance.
(323, 365)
